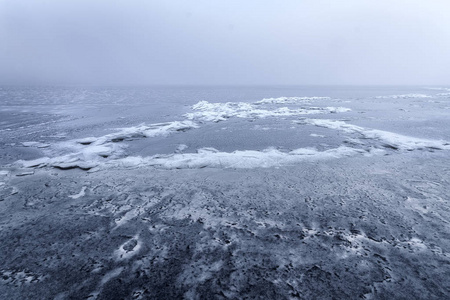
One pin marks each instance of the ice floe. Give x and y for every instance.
(215, 112)
(389, 139)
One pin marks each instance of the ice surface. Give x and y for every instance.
(404, 96)
(336, 209)
(80, 194)
(35, 144)
(213, 158)
(107, 151)
(106, 278)
(128, 249)
(290, 100)
(153, 130)
(390, 139)
(438, 88)
(89, 152)
(215, 112)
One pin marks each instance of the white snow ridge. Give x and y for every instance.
(243, 159)
(215, 112)
(389, 139)
(290, 100)
(89, 152)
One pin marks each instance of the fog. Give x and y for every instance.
(224, 42)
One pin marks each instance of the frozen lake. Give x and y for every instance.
(225, 192)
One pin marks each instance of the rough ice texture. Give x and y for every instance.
(337, 229)
(390, 139)
(405, 96)
(80, 194)
(245, 159)
(105, 152)
(89, 152)
(215, 112)
(290, 100)
(95, 153)
(35, 144)
(361, 227)
(159, 129)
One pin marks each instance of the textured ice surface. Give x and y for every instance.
(87, 153)
(344, 227)
(389, 139)
(212, 158)
(216, 112)
(290, 100)
(268, 203)
(80, 194)
(109, 151)
(405, 96)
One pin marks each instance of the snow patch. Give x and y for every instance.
(107, 277)
(128, 249)
(80, 194)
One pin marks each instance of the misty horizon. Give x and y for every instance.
(225, 43)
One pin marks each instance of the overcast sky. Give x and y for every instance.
(224, 42)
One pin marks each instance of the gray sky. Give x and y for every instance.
(224, 42)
